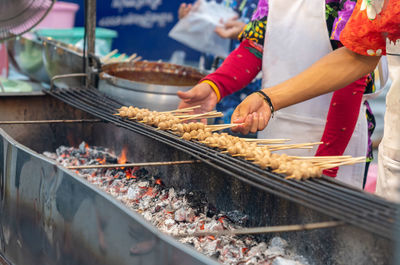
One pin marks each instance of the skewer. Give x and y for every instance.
(202, 116)
(264, 140)
(131, 57)
(226, 127)
(108, 55)
(349, 162)
(49, 121)
(196, 115)
(121, 57)
(225, 124)
(145, 164)
(293, 146)
(318, 157)
(182, 110)
(332, 161)
(136, 59)
(263, 230)
(289, 147)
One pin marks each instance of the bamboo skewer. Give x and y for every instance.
(293, 146)
(207, 115)
(49, 121)
(108, 55)
(349, 162)
(263, 230)
(257, 150)
(332, 161)
(182, 110)
(225, 124)
(136, 59)
(145, 164)
(121, 57)
(224, 127)
(266, 140)
(318, 157)
(289, 147)
(131, 57)
(196, 115)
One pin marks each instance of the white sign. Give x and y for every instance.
(147, 20)
(137, 4)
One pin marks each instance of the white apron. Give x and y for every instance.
(388, 183)
(296, 37)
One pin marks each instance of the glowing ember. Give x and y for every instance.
(101, 161)
(175, 212)
(122, 157)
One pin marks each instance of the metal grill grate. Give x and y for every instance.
(324, 195)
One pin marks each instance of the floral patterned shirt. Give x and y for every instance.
(372, 22)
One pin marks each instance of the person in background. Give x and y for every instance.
(230, 30)
(365, 36)
(287, 51)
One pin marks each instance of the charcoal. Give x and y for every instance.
(278, 242)
(176, 211)
(237, 217)
(283, 261)
(82, 147)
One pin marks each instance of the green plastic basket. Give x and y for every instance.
(104, 37)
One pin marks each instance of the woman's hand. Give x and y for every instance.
(231, 29)
(254, 112)
(184, 9)
(201, 94)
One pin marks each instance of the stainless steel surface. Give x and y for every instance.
(48, 121)
(150, 85)
(27, 57)
(44, 203)
(66, 76)
(49, 215)
(61, 59)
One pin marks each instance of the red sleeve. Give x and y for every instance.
(371, 23)
(341, 121)
(238, 70)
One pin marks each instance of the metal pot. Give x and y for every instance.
(26, 57)
(61, 59)
(145, 84)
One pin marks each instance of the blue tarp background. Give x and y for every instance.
(142, 26)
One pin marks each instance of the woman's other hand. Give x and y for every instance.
(231, 29)
(254, 112)
(201, 94)
(184, 9)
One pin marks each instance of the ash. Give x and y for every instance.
(174, 212)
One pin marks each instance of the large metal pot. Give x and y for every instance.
(61, 59)
(26, 56)
(145, 84)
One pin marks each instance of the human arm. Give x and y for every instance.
(184, 9)
(237, 71)
(364, 38)
(230, 29)
(334, 71)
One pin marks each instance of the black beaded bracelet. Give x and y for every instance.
(268, 100)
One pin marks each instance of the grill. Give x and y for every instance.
(229, 184)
